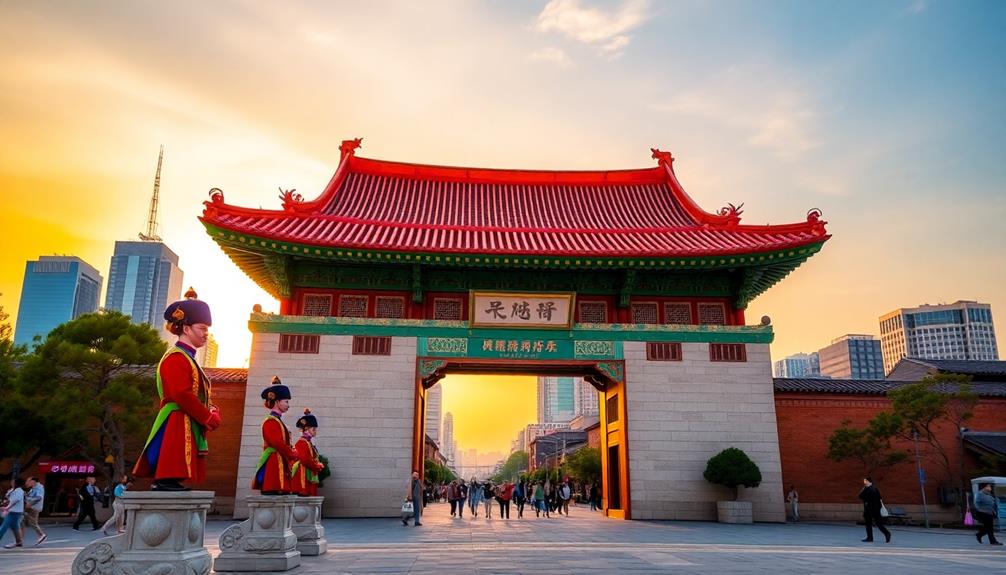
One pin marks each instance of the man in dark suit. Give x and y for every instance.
(872, 503)
(88, 494)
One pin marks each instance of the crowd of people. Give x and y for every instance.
(543, 496)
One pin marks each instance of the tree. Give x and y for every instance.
(585, 464)
(516, 464)
(732, 468)
(436, 473)
(871, 446)
(85, 379)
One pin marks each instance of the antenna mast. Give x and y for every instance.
(151, 235)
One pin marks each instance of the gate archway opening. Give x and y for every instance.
(607, 377)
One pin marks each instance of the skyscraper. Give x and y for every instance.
(55, 290)
(142, 280)
(961, 330)
(560, 399)
(206, 356)
(448, 445)
(434, 405)
(798, 365)
(853, 357)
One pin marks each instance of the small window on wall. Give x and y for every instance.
(298, 343)
(366, 345)
(644, 312)
(728, 352)
(678, 313)
(389, 307)
(593, 312)
(317, 304)
(447, 309)
(663, 351)
(352, 306)
(712, 313)
(611, 409)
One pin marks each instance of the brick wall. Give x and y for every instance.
(225, 443)
(681, 413)
(828, 490)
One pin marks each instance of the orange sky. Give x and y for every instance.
(489, 409)
(253, 96)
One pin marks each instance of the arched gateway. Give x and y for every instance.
(400, 273)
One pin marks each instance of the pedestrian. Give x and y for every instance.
(793, 498)
(872, 503)
(520, 496)
(88, 494)
(987, 509)
(503, 495)
(34, 500)
(474, 496)
(118, 510)
(272, 477)
(415, 496)
(176, 449)
(14, 509)
(488, 494)
(565, 494)
(462, 496)
(452, 496)
(539, 499)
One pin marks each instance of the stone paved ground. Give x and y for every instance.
(588, 543)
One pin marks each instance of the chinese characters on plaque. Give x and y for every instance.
(537, 310)
(520, 348)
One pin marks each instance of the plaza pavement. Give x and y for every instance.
(586, 542)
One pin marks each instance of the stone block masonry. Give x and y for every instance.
(365, 409)
(681, 413)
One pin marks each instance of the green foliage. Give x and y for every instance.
(732, 468)
(516, 464)
(585, 464)
(871, 447)
(83, 381)
(436, 473)
(324, 473)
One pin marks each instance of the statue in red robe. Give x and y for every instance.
(273, 475)
(309, 465)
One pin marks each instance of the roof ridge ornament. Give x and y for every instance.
(816, 223)
(348, 147)
(732, 214)
(291, 200)
(210, 209)
(662, 158)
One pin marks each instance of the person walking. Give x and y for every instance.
(33, 501)
(986, 508)
(520, 496)
(14, 509)
(88, 494)
(593, 495)
(793, 498)
(462, 496)
(503, 495)
(539, 499)
(415, 495)
(488, 494)
(872, 503)
(474, 497)
(565, 494)
(452, 496)
(118, 507)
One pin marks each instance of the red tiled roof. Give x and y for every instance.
(390, 206)
(227, 374)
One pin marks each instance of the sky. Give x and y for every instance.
(489, 410)
(888, 116)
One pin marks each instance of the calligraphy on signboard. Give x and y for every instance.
(515, 309)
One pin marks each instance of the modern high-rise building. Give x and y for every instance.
(560, 399)
(434, 406)
(798, 365)
(142, 280)
(448, 446)
(55, 290)
(852, 356)
(961, 330)
(206, 356)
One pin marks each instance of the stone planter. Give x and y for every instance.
(734, 512)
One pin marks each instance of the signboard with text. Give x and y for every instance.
(518, 347)
(519, 310)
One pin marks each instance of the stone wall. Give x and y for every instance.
(365, 409)
(681, 413)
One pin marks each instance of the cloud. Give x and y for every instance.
(607, 30)
(553, 55)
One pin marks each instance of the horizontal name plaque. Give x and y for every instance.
(519, 309)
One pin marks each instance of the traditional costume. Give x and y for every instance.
(176, 447)
(274, 467)
(309, 465)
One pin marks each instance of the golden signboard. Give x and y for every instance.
(520, 309)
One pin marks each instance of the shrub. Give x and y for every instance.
(731, 468)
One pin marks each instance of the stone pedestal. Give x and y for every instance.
(307, 526)
(264, 542)
(734, 511)
(164, 535)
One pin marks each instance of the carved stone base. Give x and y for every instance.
(164, 536)
(307, 526)
(264, 542)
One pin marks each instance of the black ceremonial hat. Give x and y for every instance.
(276, 391)
(307, 420)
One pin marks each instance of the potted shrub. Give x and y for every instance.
(733, 468)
